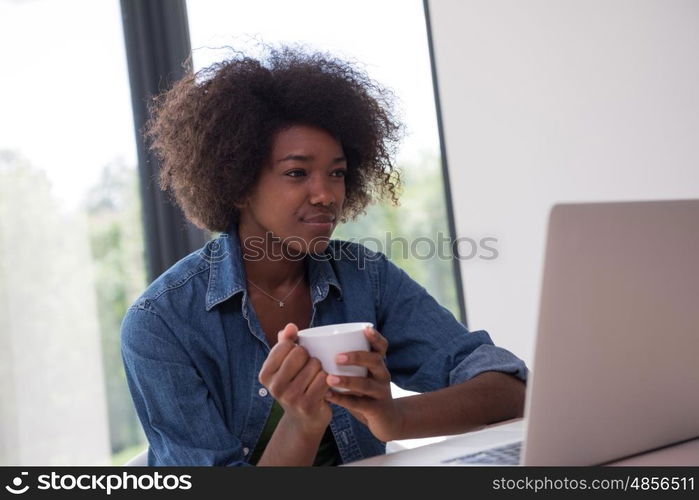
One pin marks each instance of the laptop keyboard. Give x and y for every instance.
(502, 455)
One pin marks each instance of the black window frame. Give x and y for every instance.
(156, 35)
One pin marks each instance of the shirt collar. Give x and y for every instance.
(227, 273)
(322, 274)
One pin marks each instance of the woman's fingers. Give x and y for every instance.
(318, 386)
(358, 386)
(274, 361)
(374, 385)
(277, 355)
(377, 341)
(301, 382)
(289, 369)
(288, 333)
(349, 401)
(293, 363)
(373, 361)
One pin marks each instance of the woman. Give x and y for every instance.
(274, 154)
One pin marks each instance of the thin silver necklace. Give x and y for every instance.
(279, 302)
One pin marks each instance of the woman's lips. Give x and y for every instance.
(319, 222)
(319, 225)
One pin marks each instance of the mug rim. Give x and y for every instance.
(326, 331)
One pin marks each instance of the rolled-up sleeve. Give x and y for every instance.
(428, 347)
(180, 419)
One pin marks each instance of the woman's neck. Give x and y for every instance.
(267, 263)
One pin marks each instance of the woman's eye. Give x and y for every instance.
(340, 173)
(296, 173)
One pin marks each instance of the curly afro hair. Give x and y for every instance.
(213, 130)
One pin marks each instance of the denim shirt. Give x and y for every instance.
(193, 348)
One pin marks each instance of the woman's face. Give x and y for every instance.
(300, 192)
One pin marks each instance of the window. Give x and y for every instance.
(71, 237)
(390, 39)
(71, 251)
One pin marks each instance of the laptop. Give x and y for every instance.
(616, 361)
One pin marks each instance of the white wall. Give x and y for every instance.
(546, 101)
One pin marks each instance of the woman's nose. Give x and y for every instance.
(321, 192)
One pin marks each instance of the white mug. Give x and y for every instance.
(326, 342)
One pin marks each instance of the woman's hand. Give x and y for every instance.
(369, 398)
(297, 382)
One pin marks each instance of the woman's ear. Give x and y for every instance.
(241, 204)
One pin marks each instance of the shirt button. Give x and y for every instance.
(262, 392)
(246, 451)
